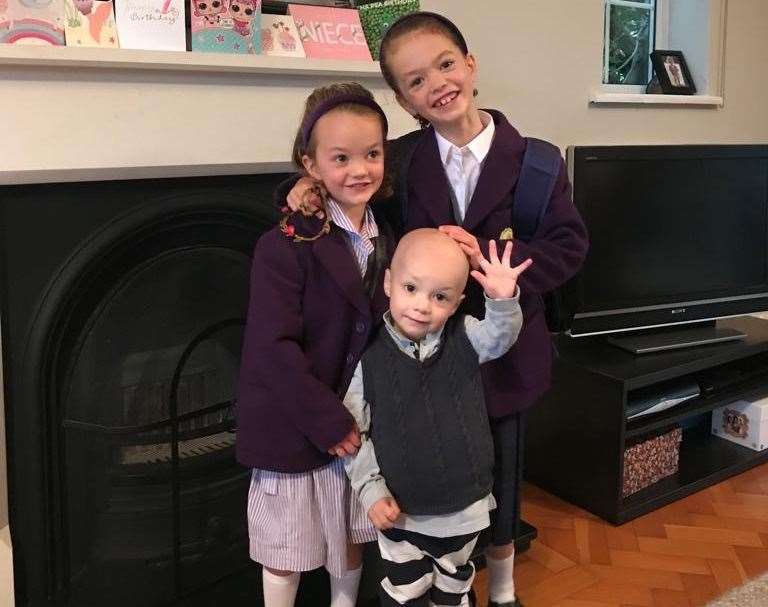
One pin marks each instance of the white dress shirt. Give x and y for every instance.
(463, 165)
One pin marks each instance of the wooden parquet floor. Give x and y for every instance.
(684, 554)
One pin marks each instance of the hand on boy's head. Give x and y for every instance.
(467, 242)
(384, 513)
(302, 197)
(497, 276)
(348, 445)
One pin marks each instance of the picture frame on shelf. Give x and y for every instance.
(672, 73)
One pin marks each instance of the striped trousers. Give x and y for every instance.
(425, 571)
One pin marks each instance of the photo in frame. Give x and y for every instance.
(672, 73)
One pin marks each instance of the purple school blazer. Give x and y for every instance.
(513, 382)
(309, 320)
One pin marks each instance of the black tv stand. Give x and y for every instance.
(681, 336)
(577, 434)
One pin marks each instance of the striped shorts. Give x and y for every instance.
(299, 522)
(421, 570)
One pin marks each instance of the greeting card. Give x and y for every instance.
(90, 23)
(330, 33)
(39, 22)
(226, 26)
(279, 36)
(376, 17)
(151, 24)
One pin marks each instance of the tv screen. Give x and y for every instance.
(678, 234)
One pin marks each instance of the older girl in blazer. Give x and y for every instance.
(461, 178)
(316, 295)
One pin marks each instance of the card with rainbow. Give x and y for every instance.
(39, 22)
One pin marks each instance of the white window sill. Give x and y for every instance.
(178, 61)
(603, 98)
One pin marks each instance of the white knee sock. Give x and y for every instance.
(344, 588)
(279, 590)
(501, 583)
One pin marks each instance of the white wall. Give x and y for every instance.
(538, 63)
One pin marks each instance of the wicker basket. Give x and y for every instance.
(651, 460)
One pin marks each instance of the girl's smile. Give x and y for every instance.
(437, 82)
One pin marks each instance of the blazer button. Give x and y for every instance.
(360, 326)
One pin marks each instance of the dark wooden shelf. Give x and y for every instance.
(704, 460)
(577, 435)
(695, 406)
(593, 354)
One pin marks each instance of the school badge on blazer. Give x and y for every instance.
(507, 234)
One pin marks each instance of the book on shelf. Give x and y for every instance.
(39, 22)
(151, 24)
(376, 17)
(330, 33)
(226, 26)
(90, 23)
(279, 37)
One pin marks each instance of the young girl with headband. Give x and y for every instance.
(316, 296)
(460, 173)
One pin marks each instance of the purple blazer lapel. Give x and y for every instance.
(426, 176)
(499, 174)
(333, 252)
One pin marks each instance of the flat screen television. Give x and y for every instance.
(678, 235)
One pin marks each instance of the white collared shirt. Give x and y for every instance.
(360, 242)
(463, 165)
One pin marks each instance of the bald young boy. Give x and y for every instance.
(417, 396)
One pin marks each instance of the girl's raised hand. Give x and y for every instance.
(467, 242)
(497, 277)
(303, 198)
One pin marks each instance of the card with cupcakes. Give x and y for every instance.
(279, 37)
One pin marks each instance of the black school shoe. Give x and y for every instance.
(515, 603)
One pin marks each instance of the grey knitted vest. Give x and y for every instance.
(429, 424)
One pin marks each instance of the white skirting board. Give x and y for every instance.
(6, 568)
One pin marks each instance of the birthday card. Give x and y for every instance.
(151, 24)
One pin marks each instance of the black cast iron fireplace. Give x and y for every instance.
(122, 310)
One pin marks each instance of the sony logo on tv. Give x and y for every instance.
(678, 310)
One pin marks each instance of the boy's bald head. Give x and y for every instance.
(428, 251)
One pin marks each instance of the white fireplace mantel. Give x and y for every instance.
(73, 114)
(127, 59)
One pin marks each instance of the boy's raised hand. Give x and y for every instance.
(384, 513)
(303, 198)
(497, 277)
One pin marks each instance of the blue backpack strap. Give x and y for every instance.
(541, 166)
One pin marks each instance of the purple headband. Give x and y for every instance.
(328, 104)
